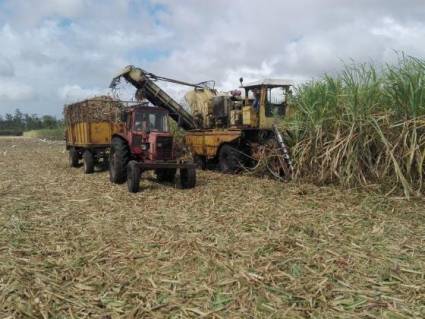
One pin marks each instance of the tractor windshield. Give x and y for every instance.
(151, 121)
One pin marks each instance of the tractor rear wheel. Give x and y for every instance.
(88, 162)
(228, 159)
(118, 160)
(133, 177)
(188, 177)
(73, 157)
(165, 174)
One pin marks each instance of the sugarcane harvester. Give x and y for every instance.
(227, 129)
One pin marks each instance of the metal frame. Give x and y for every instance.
(159, 165)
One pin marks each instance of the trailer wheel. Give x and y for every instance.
(188, 177)
(200, 161)
(88, 162)
(166, 174)
(228, 159)
(118, 160)
(133, 177)
(73, 157)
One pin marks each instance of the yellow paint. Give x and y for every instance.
(207, 143)
(265, 122)
(249, 116)
(86, 134)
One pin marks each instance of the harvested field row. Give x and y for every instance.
(73, 245)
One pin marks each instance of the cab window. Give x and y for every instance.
(154, 121)
(275, 102)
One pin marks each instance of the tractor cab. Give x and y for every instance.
(146, 129)
(265, 101)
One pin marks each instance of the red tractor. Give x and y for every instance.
(145, 143)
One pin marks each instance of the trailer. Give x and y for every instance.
(89, 127)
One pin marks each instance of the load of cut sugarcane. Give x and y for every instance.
(97, 109)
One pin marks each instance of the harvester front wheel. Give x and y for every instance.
(165, 174)
(118, 160)
(188, 177)
(228, 159)
(73, 157)
(133, 177)
(88, 162)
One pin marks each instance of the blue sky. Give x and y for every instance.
(59, 51)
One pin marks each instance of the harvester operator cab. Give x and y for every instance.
(265, 101)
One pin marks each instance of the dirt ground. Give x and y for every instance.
(76, 246)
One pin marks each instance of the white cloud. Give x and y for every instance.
(12, 91)
(72, 93)
(6, 67)
(59, 51)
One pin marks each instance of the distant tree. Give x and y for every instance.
(49, 121)
(8, 123)
(32, 122)
(9, 117)
(19, 121)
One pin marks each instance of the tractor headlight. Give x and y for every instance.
(145, 146)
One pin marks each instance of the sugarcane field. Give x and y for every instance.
(211, 160)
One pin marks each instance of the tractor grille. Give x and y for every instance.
(137, 140)
(164, 147)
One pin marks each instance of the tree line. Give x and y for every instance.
(18, 122)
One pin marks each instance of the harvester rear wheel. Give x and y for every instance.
(88, 162)
(188, 177)
(228, 159)
(165, 174)
(133, 177)
(118, 160)
(73, 157)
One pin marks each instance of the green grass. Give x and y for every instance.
(50, 134)
(363, 126)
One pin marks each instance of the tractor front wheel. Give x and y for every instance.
(88, 161)
(133, 177)
(118, 160)
(188, 177)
